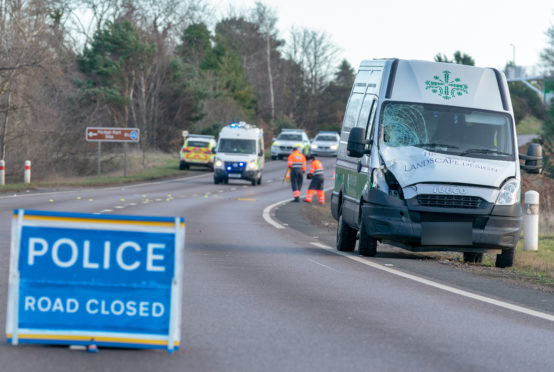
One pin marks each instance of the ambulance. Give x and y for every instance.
(240, 154)
(428, 161)
(198, 150)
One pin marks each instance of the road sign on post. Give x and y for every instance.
(101, 134)
(84, 279)
(105, 134)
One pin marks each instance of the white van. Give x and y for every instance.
(239, 154)
(428, 161)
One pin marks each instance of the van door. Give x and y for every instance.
(365, 121)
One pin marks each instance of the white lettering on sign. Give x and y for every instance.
(129, 308)
(45, 304)
(94, 306)
(72, 254)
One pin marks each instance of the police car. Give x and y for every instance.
(198, 150)
(287, 140)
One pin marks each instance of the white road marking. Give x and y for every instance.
(132, 204)
(443, 287)
(320, 264)
(119, 207)
(267, 214)
(104, 189)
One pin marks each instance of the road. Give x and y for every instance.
(258, 298)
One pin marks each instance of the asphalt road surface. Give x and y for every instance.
(261, 298)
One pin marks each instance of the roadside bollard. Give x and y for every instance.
(27, 177)
(2, 172)
(531, 221)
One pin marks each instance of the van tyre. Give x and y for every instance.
(254, 182)
(260, 180)
(367, 246)
(182, 165)
(506, 258)
(346, 236)
(473, 257)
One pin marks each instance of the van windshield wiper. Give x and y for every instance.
(435, 145)
(483, 151)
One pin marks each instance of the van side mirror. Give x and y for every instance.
(533, 159)
(356, 146)
(214, 151)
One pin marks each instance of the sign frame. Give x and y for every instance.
(171, 229)
(119, 134)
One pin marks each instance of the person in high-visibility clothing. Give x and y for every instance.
(297, 165)
(317, 179)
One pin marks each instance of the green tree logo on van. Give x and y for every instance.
(445, 88)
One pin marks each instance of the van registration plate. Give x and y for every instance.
(235, 175)
(446, 233)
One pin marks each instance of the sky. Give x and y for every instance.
(490, 31)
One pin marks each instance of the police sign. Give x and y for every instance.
(91, 279)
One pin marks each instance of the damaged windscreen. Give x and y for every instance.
(448, 130)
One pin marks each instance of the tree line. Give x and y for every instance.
(162, 66)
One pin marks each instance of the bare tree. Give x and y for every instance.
(266, 19)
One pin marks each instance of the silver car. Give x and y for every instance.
(325, 143)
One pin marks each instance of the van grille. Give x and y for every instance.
(449, 201)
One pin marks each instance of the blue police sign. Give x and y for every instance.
(90, 279)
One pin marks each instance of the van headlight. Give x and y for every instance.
(218, 164)
(251, 165)
(509, 193)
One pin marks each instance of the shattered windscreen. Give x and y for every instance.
(449, 130)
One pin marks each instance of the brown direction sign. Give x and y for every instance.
(104, 134)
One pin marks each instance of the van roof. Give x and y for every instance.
(241, 130)
(437, 83)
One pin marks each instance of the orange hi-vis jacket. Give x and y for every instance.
(316, 167)
(297, 160)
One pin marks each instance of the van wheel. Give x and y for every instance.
(254, 182)
(367, 246)
(506, 258)
(472, 257)
(182, 165)
(273, 157)
(346, 236)
(216, 181)
(260, 180)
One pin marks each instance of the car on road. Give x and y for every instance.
(240, 154)
(198, 150)
(285, 142)
(325, 143)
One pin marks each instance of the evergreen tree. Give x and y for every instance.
(110, 66)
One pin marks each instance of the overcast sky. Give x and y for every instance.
(419, 29)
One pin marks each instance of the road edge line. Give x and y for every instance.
(444, 287)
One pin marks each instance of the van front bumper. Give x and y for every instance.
(391, 219)
(249, 175)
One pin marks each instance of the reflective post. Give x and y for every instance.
(27, 174)
(531, 221)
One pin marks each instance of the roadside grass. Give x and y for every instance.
(534, 268)
(529, 125)
(151, 166)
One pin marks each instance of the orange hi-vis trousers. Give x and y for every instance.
(310, 195)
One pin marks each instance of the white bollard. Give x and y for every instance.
(2, 172)
(27, 177)
(531, 221)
